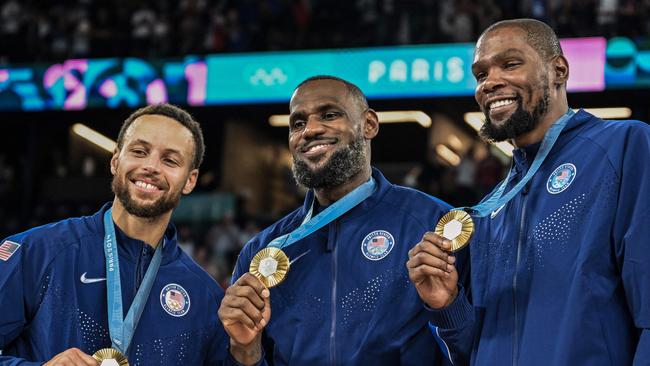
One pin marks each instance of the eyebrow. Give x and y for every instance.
(320, 108)
(148, 144)
(501, 55)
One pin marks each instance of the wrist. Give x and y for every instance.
(247, 354)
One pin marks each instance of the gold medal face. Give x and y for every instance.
(456, 226)
(270, 265)
(110, 357)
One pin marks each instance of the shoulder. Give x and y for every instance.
(202, 279)
(414, 204)
(51, 239)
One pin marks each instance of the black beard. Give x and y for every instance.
(344, 164)
(163, 205)
(519, 123)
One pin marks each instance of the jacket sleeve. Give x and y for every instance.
(12, 298)
(631, 232)
(454, 326)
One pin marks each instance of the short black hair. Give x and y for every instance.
(352, 89)
(179, 115)
(539, 35)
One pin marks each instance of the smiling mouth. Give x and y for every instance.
(317, 147)
(146, 186)
(500, 103)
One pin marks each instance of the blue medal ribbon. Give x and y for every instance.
(331, 213)
(121, 329)
(497, 198)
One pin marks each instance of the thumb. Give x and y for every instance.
(266, 314)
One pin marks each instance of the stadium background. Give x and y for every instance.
(48, 171)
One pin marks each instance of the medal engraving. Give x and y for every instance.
(110, 357)
(456, 226)
(270, 265)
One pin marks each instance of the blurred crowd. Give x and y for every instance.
(33, 30)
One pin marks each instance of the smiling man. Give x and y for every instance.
(560, 273)
(345, 299)
(117, 279)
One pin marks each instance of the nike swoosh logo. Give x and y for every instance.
(84, 279)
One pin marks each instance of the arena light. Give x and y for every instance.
(447, 154)
(476, 119)
(282, 120)
(94, 137)
(610, 113)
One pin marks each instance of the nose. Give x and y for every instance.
(313, 128)
(152, 163)
(493, 81)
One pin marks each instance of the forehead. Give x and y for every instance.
(502, 40)
(320, 92)
(161, 132)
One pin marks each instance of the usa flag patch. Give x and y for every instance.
(7, 249)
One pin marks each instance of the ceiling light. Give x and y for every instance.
(94, 137)
(447, 154)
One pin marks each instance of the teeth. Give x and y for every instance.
(316, 147)
(501, 103)
(145, 185)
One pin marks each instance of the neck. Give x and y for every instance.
(149, 230)
(545, 123)
(327, 196)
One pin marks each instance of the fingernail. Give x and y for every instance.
(266, 293)
(262, 322)
(450, 267)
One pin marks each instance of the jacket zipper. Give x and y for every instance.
(333, 307)
(522, 223)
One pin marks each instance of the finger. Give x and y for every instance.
(233, 315)
(247, 292)
(246, 306)
(438, 240)
(432, 249)
(82, 358)
(266, 314)
(424, 258)
(250, 280)
(420, 272)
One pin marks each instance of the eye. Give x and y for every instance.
(328, 116)
(170, 162)
(297, 125)
(480, 76)
(511, 64)
(138, 152)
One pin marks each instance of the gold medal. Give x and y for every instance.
(270, 265)
(456, 226)
(110, 357)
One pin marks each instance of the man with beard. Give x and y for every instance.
(345, 299)
(560, 264)
(117, 279)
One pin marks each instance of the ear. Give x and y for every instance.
(560, 70)
(190, 183)
(116, 154)
(371, 125)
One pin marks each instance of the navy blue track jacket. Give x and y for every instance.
(53, 297)
(561, 274)
(347, 299)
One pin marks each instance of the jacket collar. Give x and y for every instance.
(524, 156)
(383, 186)
(132, 248)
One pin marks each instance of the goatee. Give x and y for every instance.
(519, 123)
(161, 206)
(344, 164)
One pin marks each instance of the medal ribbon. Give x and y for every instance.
(331, 213)
(121, 329)
(498, 199)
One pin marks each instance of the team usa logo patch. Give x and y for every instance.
(561, 178)
(7, 249)
(175, 300)
(377, 245)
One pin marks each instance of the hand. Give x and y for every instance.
(432, 271)
(72, 357)
(245, 310)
